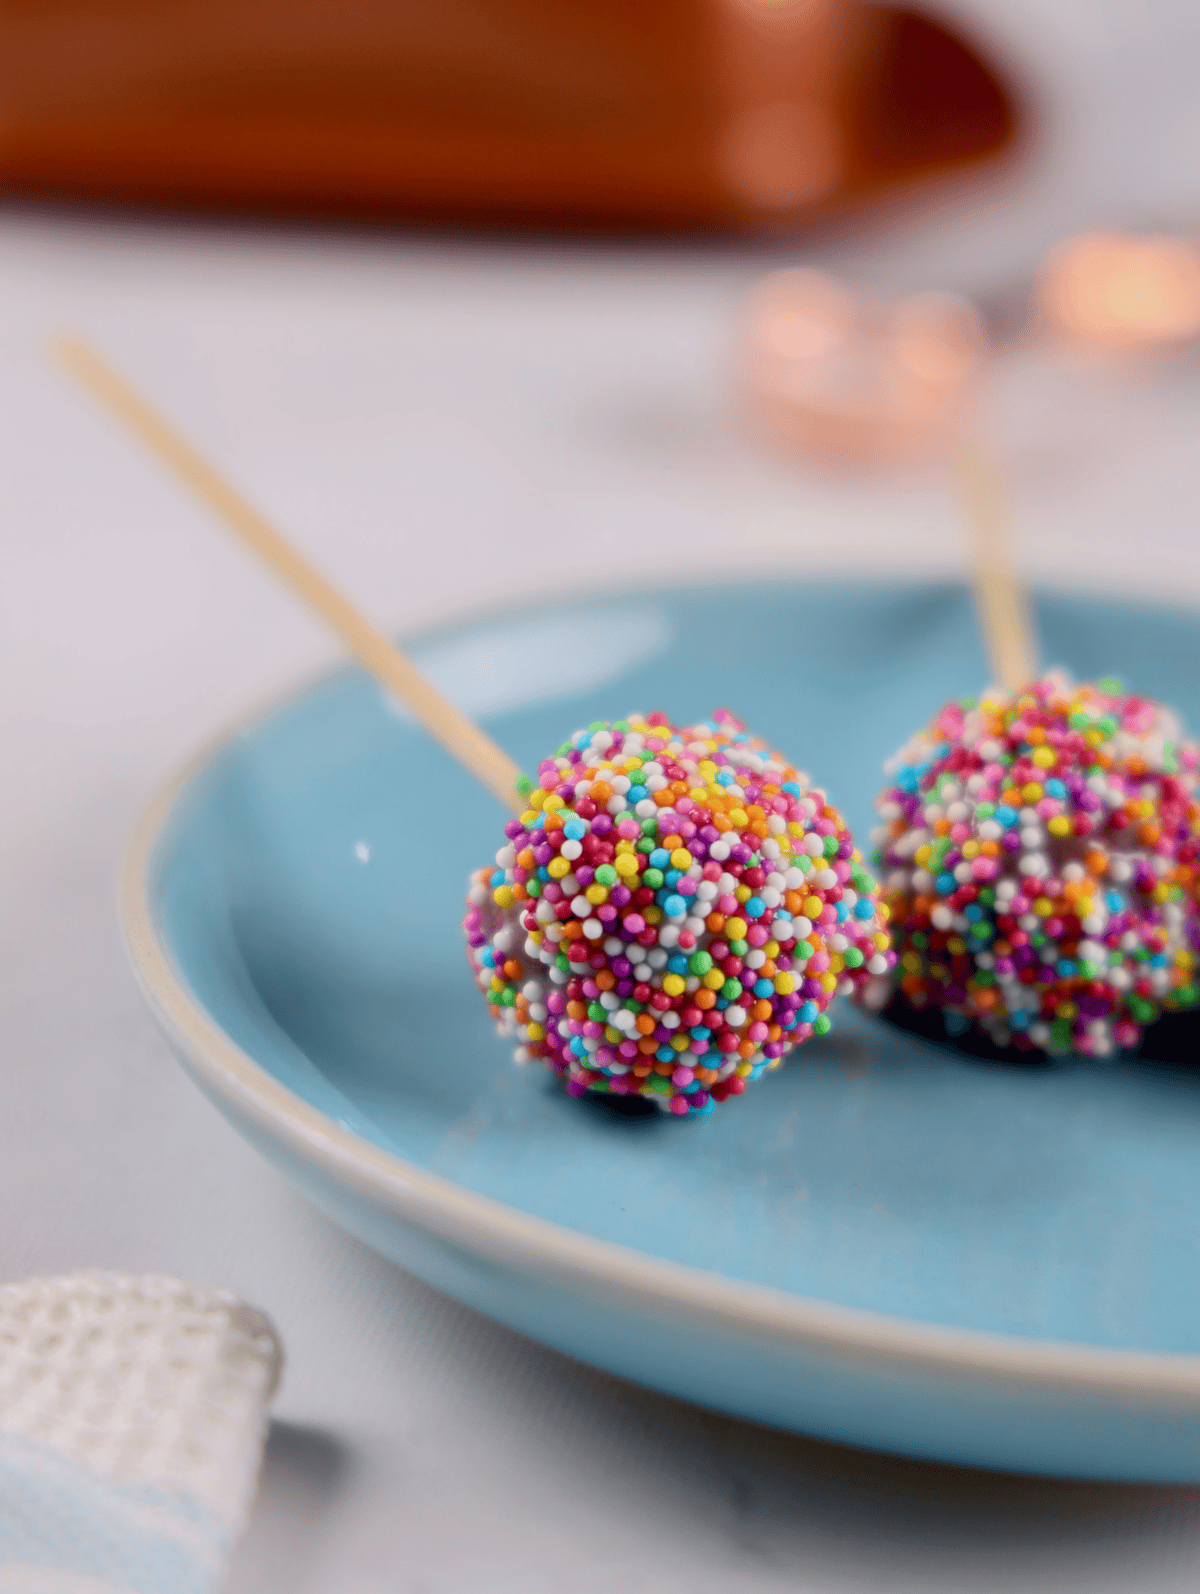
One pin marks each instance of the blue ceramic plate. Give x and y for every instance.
(893, 1242)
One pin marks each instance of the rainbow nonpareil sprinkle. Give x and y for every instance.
(1039, 854)
(673, 913)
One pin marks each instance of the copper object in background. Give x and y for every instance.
(839, 375)
(662, 113)
(1123, 293)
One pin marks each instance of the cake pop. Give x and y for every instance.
(672, 914)
(1039, 853)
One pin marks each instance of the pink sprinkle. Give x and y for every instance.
(677, 1104)
(682, 1076)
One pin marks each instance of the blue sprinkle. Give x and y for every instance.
(1005, 816)
(809, 1013)
(584, 739)
(664, 1054)
(635, 794)
(1158, 960)
(672, 877)
(946, 884)
(675, 908)
(575, 829)
(722, 1003)
(754, 907)
(1018, 1020)
(764, 988)
(1115, 901)
(792, 787)
(677, 964)
(1066, 968)
(864, 908)
(660, 857)
(974, 912)
(699, 1033)
(1055, 788)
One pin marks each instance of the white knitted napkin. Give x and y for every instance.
(132, 1417)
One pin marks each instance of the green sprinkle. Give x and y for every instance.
(853, 957)
(562, 963)
(621, 725)
(984, 810)
(1186, 995)
(1089, 968)
(1108, 726)
(822, 1024)
(597, 1013)
(650, 826)
(831, 846)
(731, 990)
(920, 940)
(700, 963)
(598, 725)
(653, 877)
(1111, 684)
(524, 785)
(606, 875)
(739, 948)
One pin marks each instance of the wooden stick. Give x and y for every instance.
(999, 593)
(396, 674)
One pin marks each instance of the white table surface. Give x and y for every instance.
(416, 410)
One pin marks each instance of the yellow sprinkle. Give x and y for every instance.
(673, 984)
(785, 984)
(1060, 825)
(537, 1032)
(504, 896)
(735, 929)
(679, 1042)
(771, 949)
(1065, 1010)
(922, 855)
(528, 817)
(829, 983)
(744, 1069)
(956, 945)
(740, 817)
(1044, 757)
(1043, 907)
(596, 894)
(558, 868)
(970, 849)
(743, 893)
(1032, 792)
(812, 908)
(652, 914)
(554, 802)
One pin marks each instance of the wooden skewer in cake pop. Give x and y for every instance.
(999, 592)
(473, 748)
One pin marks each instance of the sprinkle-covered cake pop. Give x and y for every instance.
(672, 914)
(1039, 855)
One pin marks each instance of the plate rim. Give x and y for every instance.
(488, 1227)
